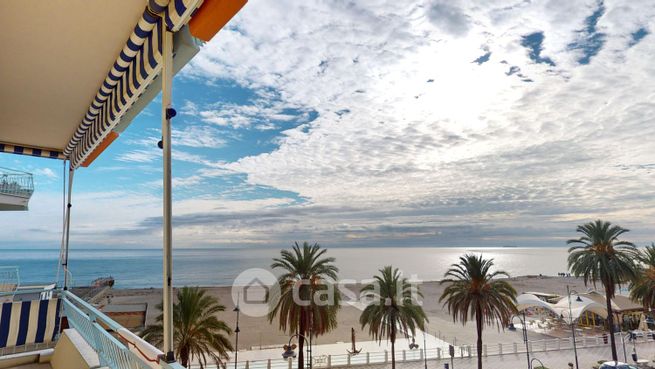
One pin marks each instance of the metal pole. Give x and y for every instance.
(425, 352)
(625, 355)
(237, 330)
(167, 113)
(575, 348)
(525, 339)
(71, 172)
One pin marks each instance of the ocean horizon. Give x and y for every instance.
(141, 268)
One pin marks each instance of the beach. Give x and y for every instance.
(257, 332)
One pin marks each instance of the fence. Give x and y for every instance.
(16, 183)
(440, 353)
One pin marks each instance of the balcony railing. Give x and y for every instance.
(16, 183)
(93, 326)
(117, 347)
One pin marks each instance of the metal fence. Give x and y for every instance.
(441, 353)
(15, 183)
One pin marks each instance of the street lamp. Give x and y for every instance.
(236, 330)
(525, 334)
(578, 299)
(288, 350)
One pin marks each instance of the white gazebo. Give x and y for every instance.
(579, 305)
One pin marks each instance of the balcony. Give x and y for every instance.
(16, 188)
(89, 339)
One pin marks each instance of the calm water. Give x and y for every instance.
(142, 268)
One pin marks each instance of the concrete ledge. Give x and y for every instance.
(24, 358)
(72, 352)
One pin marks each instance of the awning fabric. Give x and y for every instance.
(137, 65)
(561, 308)
(20, 150)
(100, 67)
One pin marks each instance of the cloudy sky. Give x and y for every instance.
(389, 123)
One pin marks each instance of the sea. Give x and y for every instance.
(142, 268)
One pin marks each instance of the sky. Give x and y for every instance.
(383, 123)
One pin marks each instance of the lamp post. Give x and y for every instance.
(525, 335)
(578, 299)
(289, 351)
(236, 331)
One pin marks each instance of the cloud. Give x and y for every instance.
(198, 136)
(46, 172)
(386, 132)
(448, 17)
(426, 126)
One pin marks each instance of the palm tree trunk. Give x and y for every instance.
(478, 323)
(610, 317)
(393, 349)
(184, 356)
(301, 340)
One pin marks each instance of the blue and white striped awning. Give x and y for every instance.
(81, 69)
(28, 322)
(20, 150)
(137, 65)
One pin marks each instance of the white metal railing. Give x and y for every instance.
(438, 353)
(15, 183)
(93, 325)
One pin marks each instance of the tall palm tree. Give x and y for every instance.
(393, 307)
(472, 292)
(197, 332)
(642, 289)
(308, 301)
(601, 256)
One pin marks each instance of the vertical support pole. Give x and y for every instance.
(71, 172)
(166, 86)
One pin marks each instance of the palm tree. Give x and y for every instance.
(197, 332)
(307, 301)
(600, 256)
(642, 289)
(472, 293)
(393, 306)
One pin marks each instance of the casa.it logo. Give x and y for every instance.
(254, 290)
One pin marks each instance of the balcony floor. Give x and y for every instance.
(32, 366)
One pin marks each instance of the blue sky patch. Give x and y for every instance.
(534, 43)
(637, 36)
(590, 40)
(483, 59)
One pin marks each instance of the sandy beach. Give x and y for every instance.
(257, 332)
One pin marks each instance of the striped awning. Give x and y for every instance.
(21, 150)
(81, 70)
(28, 322)
(137, 65)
